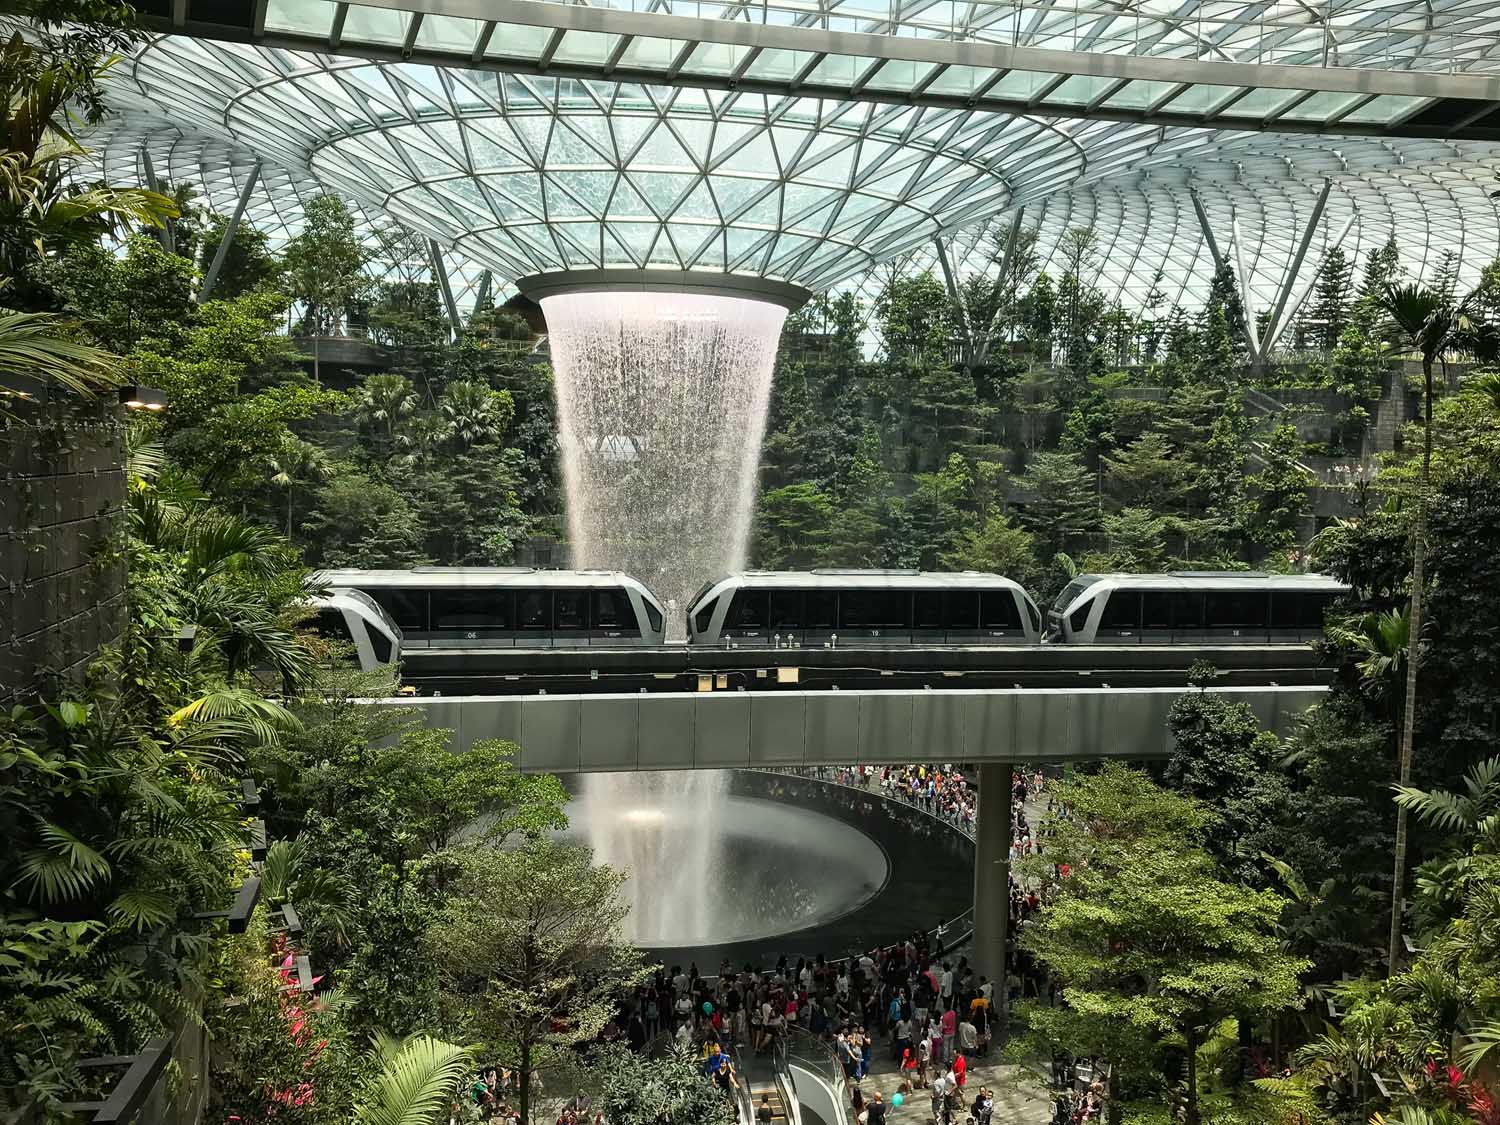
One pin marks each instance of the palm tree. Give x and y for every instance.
(295, 461)
(1427, 318)
(1381, 641)
(384, 401)
(35, 349)
(472, 412)
(417, 1083)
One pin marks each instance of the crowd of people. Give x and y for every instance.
(913, 1002)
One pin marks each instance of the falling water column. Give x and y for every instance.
(663, 382)
(992, 878)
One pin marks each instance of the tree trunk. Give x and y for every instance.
(288, 513)
(524, 1074)
(1191, 1107)
(1409, 705)
(317, 324)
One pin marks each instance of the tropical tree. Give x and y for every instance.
(296, 462)
(472, 413)
(325, 266)
(383, 403)
(418, 1081)
(1427, 319)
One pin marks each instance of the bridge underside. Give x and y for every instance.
(725, 730)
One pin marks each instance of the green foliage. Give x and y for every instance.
(529, 954)
(1152, 946)
(416, 1084)
(636, 1090)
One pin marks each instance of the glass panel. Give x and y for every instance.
(747, 611)
(1320, 107)
(1286, 609)
(786, 609)
(1079, 90)
(899, 74)
(960, 80)
(1139, 95)
(331, 625)
(1020, 85)
(448, 33)
(408, 608)
(1122, 611)
(961, 610)
(1387, 107)
(375, 25)
(534, 609)
(1314, 606)
(517, 41)
(1187, 611)
(1202, 98)
(1236, 609)
(704, 616)
(570, 610)
(875, 609)
(304, 16)
(653, 616)
(379, 642)
(822, 608)
(776, 64)
(585, 47)
(927, 609)
(1071, 591)
(838, 70)
(1156, 610)
(471, 609)
(612, 611)
(1261, 103)
(650, 54)
(999, 610)
(716, 58)
(1079, 618)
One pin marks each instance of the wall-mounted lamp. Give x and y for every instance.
(143, 398)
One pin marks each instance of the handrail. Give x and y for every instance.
(744, 1107)
(786, 1083)
(819, 1058)
(963, 923)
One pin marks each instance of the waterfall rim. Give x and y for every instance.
(746, 287)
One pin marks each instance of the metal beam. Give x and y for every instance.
(165, 235)
(953, 291)
(1273, 327)
(1247, 302)
(1006, 262)
(1296, 307)
(1208, 231)
(997, 57)
(440, 272)
(483, 296)
(230, 230)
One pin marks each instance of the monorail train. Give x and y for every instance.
(862, 607)
(1220, 607)
(349, 615)
(509, 607)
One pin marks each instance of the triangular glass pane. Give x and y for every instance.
(733, 192)
(757, 156)
(662, 150)
(629, 129)
(628, 201)
(727, 134)
(699, 204)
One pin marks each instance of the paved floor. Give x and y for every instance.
(1019, 1100)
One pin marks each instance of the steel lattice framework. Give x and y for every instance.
(810, 142)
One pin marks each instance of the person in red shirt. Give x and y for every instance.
(960, 1068)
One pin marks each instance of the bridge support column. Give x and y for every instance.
(992, 879)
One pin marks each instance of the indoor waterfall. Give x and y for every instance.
(662, 400)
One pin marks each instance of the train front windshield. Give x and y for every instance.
(1060, 605)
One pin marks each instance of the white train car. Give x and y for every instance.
(354, 617)
(1192, 607)
(862, 607)
(509, 607)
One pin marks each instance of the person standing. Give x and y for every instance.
(763, 1112)
(950, 1030)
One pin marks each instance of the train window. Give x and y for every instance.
(408, 608)
(1079, 618)
(821, 609)
(998, 610)
(1286, 609)
(1071, 591)
(1122, 611)
(570, 610)
(471, 609)
(380, 643)
(747, 611)
(1236, 609)
(653, 615)
(927, 609)
(331, 625)
(1314, 606)
(961, 611)
(704, 616)
(1156, 610)
(534, 609)
(875, 609)
(612, 611)
(1034, 614)
(1187, 611)
(786, 609)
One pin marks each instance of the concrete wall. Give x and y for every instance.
(62, 495)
